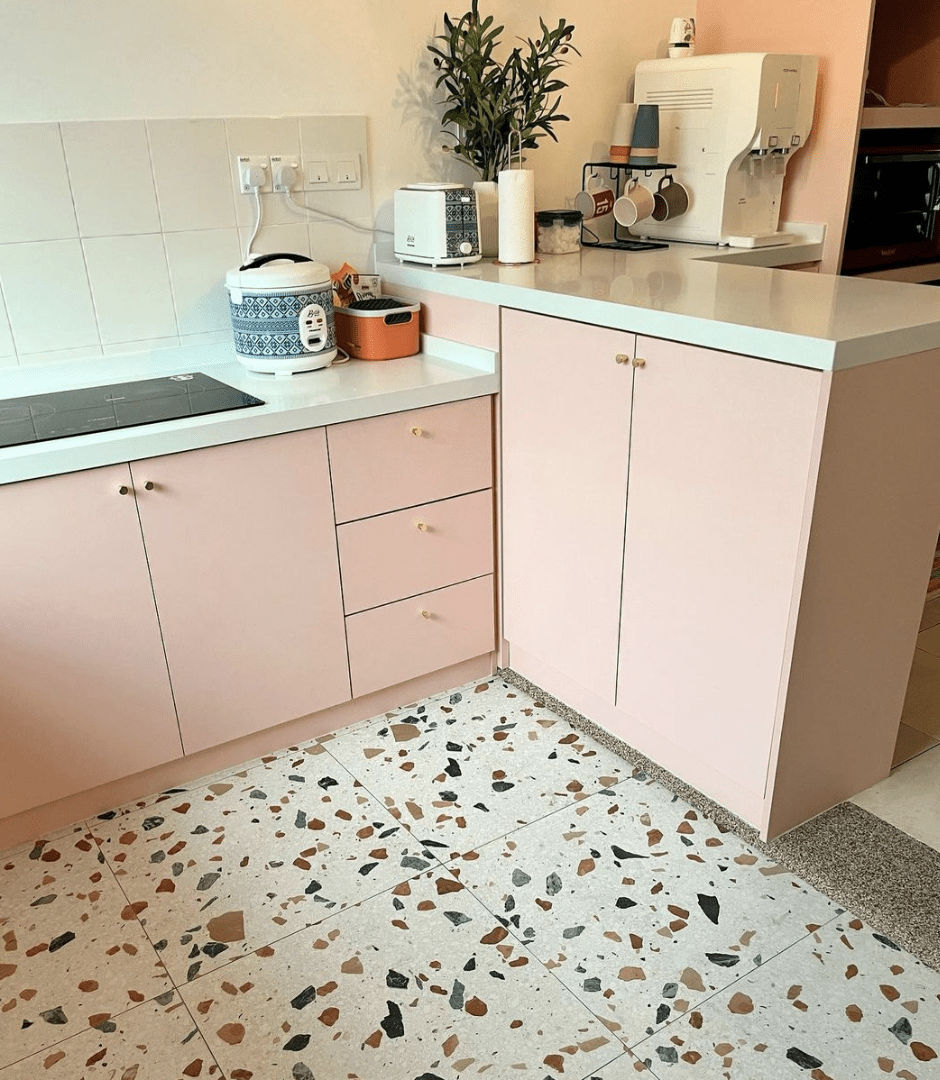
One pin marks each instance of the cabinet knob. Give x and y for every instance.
(622, 358)
(421, 526)
(124, 490)
(638, 361)
(425, 614)
(149, 485)
(417, 431)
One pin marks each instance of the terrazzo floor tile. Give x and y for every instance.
(71, 951)
(240, 864)
(639, 905)
(154, 1041)
(842, 1004)
(420, 981)
(472, 766)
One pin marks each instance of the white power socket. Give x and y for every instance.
(280, 164)
(245, 163)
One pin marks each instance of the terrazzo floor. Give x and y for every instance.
(468, 886)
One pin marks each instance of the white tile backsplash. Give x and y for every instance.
(130, 285)
(47, 296)
(198, 264)
(193, 178)
(35, 200)
(115, 236)
(111, 176)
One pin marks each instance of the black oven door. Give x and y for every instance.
(893, 217)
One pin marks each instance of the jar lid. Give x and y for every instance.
(566, 217)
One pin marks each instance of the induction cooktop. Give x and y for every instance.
(40, 417)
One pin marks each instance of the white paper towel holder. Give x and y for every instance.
(516, 211)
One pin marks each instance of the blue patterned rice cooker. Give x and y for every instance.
(282, 314)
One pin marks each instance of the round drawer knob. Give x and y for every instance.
(425, 614)
(421, 526)
(417, 431)
(638, 361)
(149, 486)
(622, 358)
(123, 490)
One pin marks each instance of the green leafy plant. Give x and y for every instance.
(489, 101)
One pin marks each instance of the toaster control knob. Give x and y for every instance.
(466, 247)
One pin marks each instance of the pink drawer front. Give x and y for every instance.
(413, 551)
(403, 459)
(390, 644)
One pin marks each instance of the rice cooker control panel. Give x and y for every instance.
(313, 330)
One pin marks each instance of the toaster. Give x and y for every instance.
(437, 224)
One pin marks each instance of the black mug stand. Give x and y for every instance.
(618, 174)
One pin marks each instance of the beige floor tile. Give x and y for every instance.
(922, 703)
(909, 798)
(911, 742)
(931, 616)
(929, 640)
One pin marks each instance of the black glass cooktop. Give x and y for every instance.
(103, 408)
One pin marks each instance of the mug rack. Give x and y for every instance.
(618, 174)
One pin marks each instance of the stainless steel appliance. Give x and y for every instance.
(40, 417)
(894, 214)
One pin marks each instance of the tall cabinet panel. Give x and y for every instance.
(242, 552)
(84, 692)
(566, 391)
(720, 460)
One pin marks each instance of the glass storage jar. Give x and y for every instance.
(559, 231)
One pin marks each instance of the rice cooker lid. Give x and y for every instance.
(279, 271)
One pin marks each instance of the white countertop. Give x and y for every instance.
(719, 298)
(443, 372)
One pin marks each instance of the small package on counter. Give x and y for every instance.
(350, 285)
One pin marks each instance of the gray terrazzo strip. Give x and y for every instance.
(858, 860)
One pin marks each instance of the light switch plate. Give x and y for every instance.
(341, 168)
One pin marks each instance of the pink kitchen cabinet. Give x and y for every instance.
(84, 692)
(566, 393)
(720, 451)
(242, 551)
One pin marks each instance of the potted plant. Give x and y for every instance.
(492, 102)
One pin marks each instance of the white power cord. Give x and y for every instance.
(257, 228)
(322, 215)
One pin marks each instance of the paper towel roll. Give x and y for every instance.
(516, 216)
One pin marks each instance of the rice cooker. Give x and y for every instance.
(282, 314)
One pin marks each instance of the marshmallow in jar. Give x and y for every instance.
(559, 231)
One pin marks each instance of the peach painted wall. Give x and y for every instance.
(904, 65)
(820, 176)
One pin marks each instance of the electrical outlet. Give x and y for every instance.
(281, 163)
(243, 165)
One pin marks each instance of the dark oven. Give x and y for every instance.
(894, 214)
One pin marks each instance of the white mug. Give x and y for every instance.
(596, 200)
(634, 205)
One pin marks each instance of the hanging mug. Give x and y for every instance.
(671, 200)
(596, 200)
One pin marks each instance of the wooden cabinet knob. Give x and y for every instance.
(149, 485)
(638, 361)
(417, 431)
(421, 526)
(622, 358)
(425, 614)
(123, 490)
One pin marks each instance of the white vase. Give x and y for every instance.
(488, 214)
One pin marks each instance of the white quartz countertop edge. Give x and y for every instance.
(353, 391)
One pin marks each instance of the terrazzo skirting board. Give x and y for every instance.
(858, 860)
(84, 804)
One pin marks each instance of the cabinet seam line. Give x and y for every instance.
(339, 563)
(626, 513)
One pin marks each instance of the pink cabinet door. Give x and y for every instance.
(391, 644)
(403, 459)
(719, 466)
(565, 439)
(84, 693)
(392, 556)
(242, 551)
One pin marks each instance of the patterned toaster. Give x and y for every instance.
(437, 224)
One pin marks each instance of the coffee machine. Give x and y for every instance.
(730, 123)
